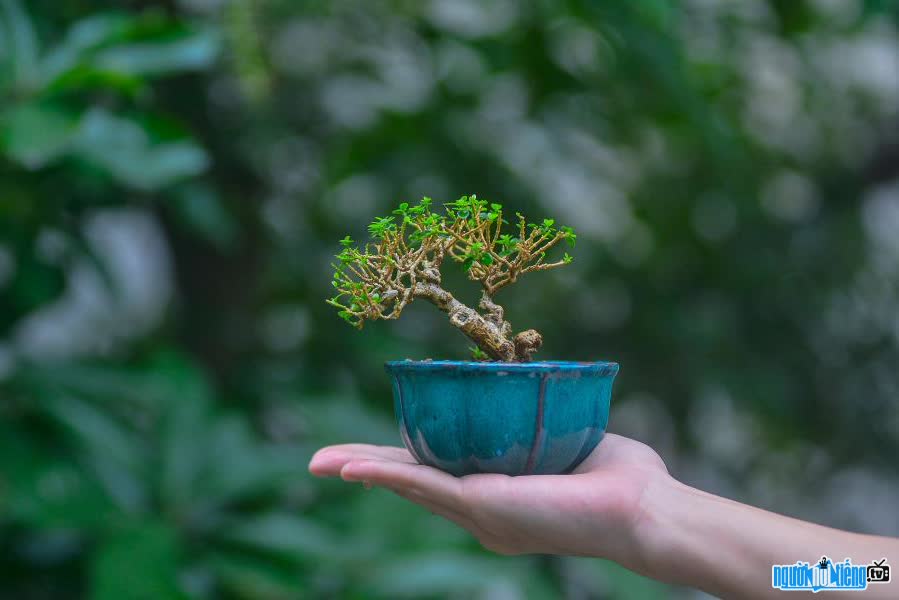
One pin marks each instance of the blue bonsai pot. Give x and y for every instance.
(492, 417)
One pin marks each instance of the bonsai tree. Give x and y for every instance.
(402, 263)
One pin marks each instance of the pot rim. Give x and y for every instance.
(542, 366)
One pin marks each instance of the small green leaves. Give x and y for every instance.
(546, 228)
(376, 281)
(380, 226)
(427, 227)
(470, 207)
(460, 209)
(346, 256)
(477, 353)
(507, 244)
(348, 317)
(423, 207)
(476, 254)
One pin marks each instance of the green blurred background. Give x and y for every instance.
(174, 176)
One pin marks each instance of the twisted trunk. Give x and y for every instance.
(490, 332)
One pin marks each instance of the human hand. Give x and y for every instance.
(594, 511)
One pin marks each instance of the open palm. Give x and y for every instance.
(593, 511)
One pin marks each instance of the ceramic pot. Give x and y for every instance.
(492, 417)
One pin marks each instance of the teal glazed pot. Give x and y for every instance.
(492, 417)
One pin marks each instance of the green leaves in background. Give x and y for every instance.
(147, 478)
(37, 135)
(137, 560)
(124, 149)
(115, 50)
(104, 53)
(18, 46)
(718, 159)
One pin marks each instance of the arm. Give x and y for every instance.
(620, 504)
(726, 548)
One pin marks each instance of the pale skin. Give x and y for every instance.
(620, 504)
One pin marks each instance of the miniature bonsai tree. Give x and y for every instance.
(402, 263)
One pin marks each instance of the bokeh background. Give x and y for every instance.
(174, 176)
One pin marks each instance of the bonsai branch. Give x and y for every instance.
(484, 331)
(378, 280)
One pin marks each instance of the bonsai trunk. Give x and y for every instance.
(491, 332)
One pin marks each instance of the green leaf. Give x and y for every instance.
(477, 353)
(138, 561)
(335, 418)
(242, 575)
(96, 431)
(116, 457)
(21, 40)
(84, 78)
(122, 148)
(622, 583)
(380, 226)
(34, 135)
(46, 490)
(190, 52)
(81, 38)
(183, 435)
(435, 574)
(238, 466)
(286, 534)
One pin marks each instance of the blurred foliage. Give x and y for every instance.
(174, 176)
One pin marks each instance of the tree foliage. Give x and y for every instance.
(404, 260)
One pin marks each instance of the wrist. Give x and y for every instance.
(685, 535)
(657, 526)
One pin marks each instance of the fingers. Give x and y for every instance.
(417, 480)
(395, 469)
(438, 492)
(459, 518)
(328, 461)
